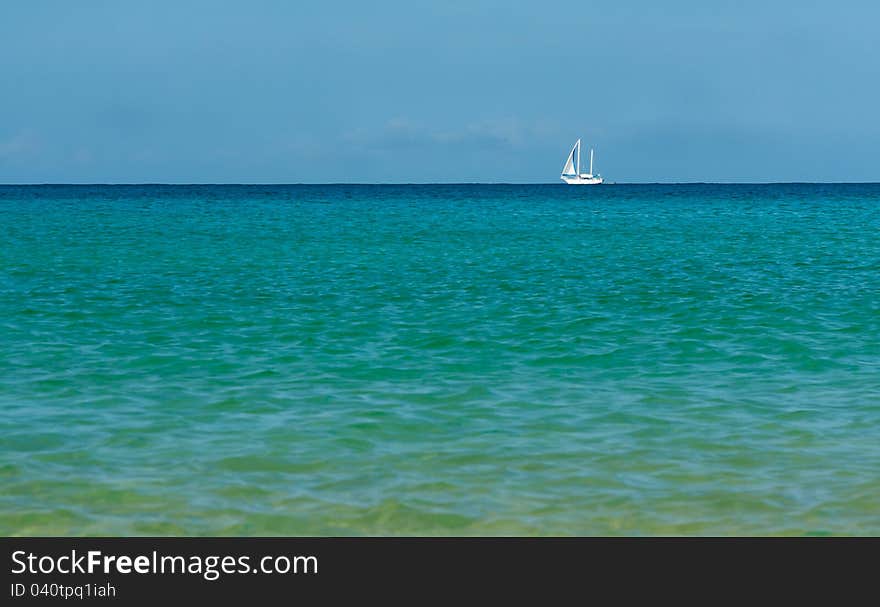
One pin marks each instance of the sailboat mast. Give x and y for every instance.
(578, 171)
(591, 161)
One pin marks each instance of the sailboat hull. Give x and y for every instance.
(576, 180)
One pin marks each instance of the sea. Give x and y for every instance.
(440, 360)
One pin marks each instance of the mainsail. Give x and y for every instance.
(570, 168)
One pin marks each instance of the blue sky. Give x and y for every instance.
(293, 91)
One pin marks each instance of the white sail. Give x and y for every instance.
(569, 168)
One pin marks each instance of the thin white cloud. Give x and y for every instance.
(21, 146)
(402, 132)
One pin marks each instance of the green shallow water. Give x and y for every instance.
(439, 360)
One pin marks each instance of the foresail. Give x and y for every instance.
(569, 169)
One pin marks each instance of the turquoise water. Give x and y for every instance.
(244, 360)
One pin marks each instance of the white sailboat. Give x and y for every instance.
(571, 172)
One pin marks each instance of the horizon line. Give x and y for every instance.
(421, 183)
